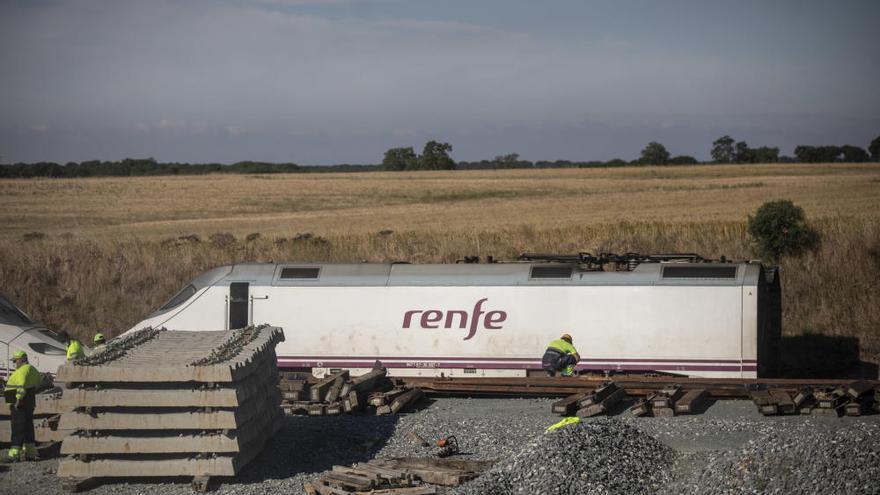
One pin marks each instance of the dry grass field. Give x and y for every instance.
(99, 254)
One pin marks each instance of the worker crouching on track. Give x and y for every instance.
(20, 393)
(74, 348)
(560, 356)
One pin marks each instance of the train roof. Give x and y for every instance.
(474, 274)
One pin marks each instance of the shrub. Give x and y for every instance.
(779, 228)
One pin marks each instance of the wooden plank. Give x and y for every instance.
(392, 476)
(334, 408)
(824, 411)
(691, 401)
(567, 405)
(859, 389)
(318, 390)
(607, 403)
(413, 490)
(859, 407)
(761, 397)
(598, 395)
(292, 385)
(348, 480)
(803, 397)
(641, 408)
(409, 397)
(452, 472)
(663, 412)
(329, 490)
(668, 397)
(364, 383)
(378, 399)
(371, 475)
(784, 403)
(832, 399)
(200, 483)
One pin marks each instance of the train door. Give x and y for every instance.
(238, 305)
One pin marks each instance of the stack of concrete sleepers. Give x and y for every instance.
(163, 403)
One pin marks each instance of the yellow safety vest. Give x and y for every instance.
(24, 378)
(74, 350)
(562, 346)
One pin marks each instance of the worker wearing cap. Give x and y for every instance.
(99, 341)
(20, 393)
(74, 348)
(560, 356)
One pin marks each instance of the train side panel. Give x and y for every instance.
(695, 330)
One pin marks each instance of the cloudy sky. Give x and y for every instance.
(340, 81)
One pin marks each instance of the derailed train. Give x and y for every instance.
(675, 314)
(20, 332)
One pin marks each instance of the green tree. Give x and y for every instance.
(683, 160)
(505, 161)
(400, 159)
(743, 154)
(654, 154)
(818, 154)
(874, 148)
(766, 154)
(722, 149)
(435, 156)
(779, 228)
(853, 153)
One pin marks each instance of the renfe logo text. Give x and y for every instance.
(456, 318)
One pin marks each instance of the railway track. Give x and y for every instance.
(636, 386)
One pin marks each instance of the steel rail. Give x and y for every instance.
(726, 388)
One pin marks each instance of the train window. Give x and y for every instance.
(179, 298)
(49, 333)
(728, 272)
(300, 273)
(551, 272)
(49, 349)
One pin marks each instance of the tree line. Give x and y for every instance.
(436, 156)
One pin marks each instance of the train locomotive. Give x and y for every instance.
(673, 314)
(19, 332)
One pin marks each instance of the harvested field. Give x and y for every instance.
(361, 203)
(99, 254)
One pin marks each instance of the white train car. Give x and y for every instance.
(19, 332)
(495, 319)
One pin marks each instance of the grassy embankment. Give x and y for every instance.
(102, 253)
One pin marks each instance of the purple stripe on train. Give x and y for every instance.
(530, 360)
(333, 363)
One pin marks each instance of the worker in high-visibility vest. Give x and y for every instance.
(20, 393)
(99, 341)
(74, 348)
(560, 356)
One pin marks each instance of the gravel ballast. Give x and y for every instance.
(729, 449)
(597, 457)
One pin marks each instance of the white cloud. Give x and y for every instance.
(39, 128)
